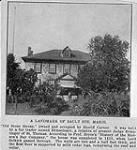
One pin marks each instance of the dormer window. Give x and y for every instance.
(67, 52)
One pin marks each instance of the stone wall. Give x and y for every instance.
(46, 76)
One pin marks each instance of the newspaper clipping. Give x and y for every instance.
(68, 74)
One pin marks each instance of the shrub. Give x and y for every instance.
(107, 104)
(76, 109)
(42, 109)
(52, 105)
(59, 105)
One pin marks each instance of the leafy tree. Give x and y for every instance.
(107, 104)
(26, 80)
(19, 80)
(109, 68)
(12, 67)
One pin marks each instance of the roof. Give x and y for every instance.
(66, 76)
(56, 54)
(67, 81)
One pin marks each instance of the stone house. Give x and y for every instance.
(54, 64)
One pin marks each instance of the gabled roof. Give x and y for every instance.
(56, 54)
(66, 76)
(67, 81)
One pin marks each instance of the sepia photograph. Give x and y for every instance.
(68, 59)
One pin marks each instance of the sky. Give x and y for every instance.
(47, 26)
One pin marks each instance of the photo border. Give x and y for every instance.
(68, 2)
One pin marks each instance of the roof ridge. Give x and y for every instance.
(60, 50)
(54, 54)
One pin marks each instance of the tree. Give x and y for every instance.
(109, 69)
(26, 80)
(12, 67)
(19, 81)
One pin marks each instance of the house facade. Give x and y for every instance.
(51, 65)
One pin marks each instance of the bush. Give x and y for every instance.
(42, 109)
(76, 110)
(124, 109)
(59, 105)
(107, 104)
(52, 105)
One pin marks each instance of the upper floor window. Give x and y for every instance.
(66, 68)
(59, 68)
(37, 67)
(52, 68)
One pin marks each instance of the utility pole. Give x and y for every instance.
(14, 23)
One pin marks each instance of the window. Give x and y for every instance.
(66, 68)
(37, 67)
(52, 68)
(74, 70)
(59, 69)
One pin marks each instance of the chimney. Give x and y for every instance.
(30, 52)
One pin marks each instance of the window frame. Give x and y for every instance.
(40, 69)
(51, 72)
(68, 69)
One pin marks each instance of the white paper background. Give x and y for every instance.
(112, 121)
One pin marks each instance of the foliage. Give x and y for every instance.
(60, 105)
(53, 107)
(107, 104)
(12, 67)
(109, 69)
(18, 80)
(50, 103)
(76, 109)
(30, 80)
(26, 80)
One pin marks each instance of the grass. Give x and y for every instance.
(76, 107)
(24, 108)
